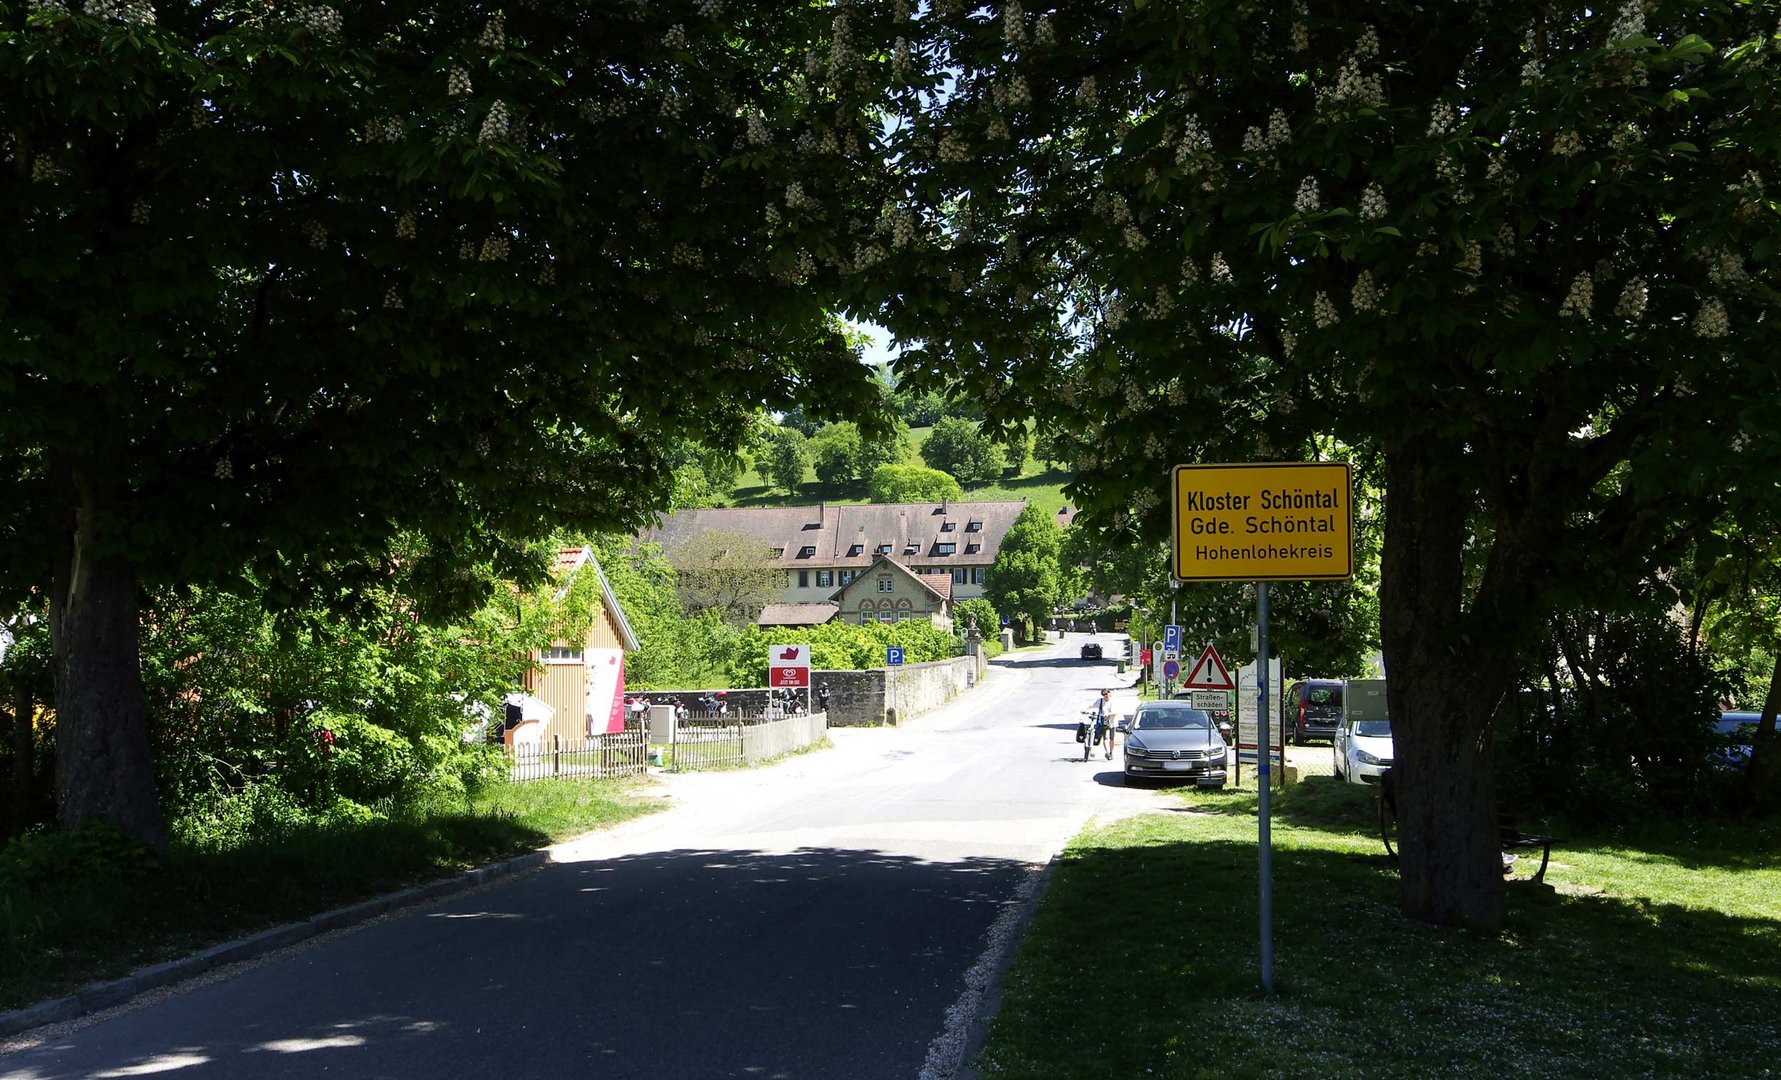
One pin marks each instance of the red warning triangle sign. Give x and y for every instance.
(1209, 673)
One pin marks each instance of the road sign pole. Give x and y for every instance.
(1263, 782)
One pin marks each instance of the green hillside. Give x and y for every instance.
(1038, 484)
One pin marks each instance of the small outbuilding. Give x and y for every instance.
(582, 682)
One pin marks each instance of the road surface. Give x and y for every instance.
(812, 919)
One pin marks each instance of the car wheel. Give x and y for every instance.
(1134, 781)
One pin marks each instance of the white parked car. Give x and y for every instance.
(1362, 750)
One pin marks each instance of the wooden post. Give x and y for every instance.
(556, 754)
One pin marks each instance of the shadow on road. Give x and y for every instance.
(811, 963)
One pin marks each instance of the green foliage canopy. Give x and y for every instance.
(957, 446)
(912, 483)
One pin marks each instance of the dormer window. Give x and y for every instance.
(948, 526)
(885, 549)
(779, 553)
(914, 548)
(972, 549)
(808, 551)
(855, 550)
(973, 526)
(945, 549)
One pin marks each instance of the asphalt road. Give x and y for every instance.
(812, 919)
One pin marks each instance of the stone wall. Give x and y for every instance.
(860, 698)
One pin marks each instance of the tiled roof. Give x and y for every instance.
(569, 560)
(938, 584)
(796, 614)
(851, 535)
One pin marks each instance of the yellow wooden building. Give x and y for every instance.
(582, 682)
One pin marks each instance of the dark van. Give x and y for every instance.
(1313, 709)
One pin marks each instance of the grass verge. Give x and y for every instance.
(1659, 956)
(57, 934)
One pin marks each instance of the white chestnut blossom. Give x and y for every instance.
(1323, 312)
(1190, 274)
(1631, 305)
(1219, 271)
(1279, 130)
(1134, 238)
(392, 299)
(675, 38)
(1307, 201)
(126, 12)
(1367, 47)
(547, 274)
(1043, 33)
(457, 83)
(495, 124)
(1085, 93)
(1372, 203)
(1472, 261)
(1628, 22)
(1579, 300)
(757, 130)
(320, 18)
(1365, 295)
(709, 9)
(841, 54)
(405, 225)
(1441, 119)
(317, 233)
(494, 249)
(494, 34)
(1711, 321)
(1567, 144)
(1289, 341)
(1301, 37)
(225, 470)
(139, 212)
(1014, 27)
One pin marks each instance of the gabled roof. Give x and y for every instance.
(796, 614)
(938, 584)
(850, 535)
(572, 560)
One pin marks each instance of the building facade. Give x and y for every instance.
(823, 548)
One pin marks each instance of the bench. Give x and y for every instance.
(1509, 836)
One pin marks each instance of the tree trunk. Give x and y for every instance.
(1765, 748)
(104, 769)
(24, 755)
(1441, 701)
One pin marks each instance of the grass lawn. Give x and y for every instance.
(1655, 954)
(56, 935)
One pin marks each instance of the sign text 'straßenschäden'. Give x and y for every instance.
(1263, 522)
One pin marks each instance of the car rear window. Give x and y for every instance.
(1170, 720)
(1323, 695)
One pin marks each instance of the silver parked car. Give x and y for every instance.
(1171, 740)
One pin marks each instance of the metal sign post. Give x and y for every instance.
(1262, 522)
(1264, 838)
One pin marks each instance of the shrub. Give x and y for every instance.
(97, 851)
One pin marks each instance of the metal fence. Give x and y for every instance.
(616, 754)
(705, 742)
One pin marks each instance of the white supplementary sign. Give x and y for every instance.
(1210, 700)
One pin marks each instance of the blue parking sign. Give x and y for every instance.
(1172, 639)
(893, 655)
